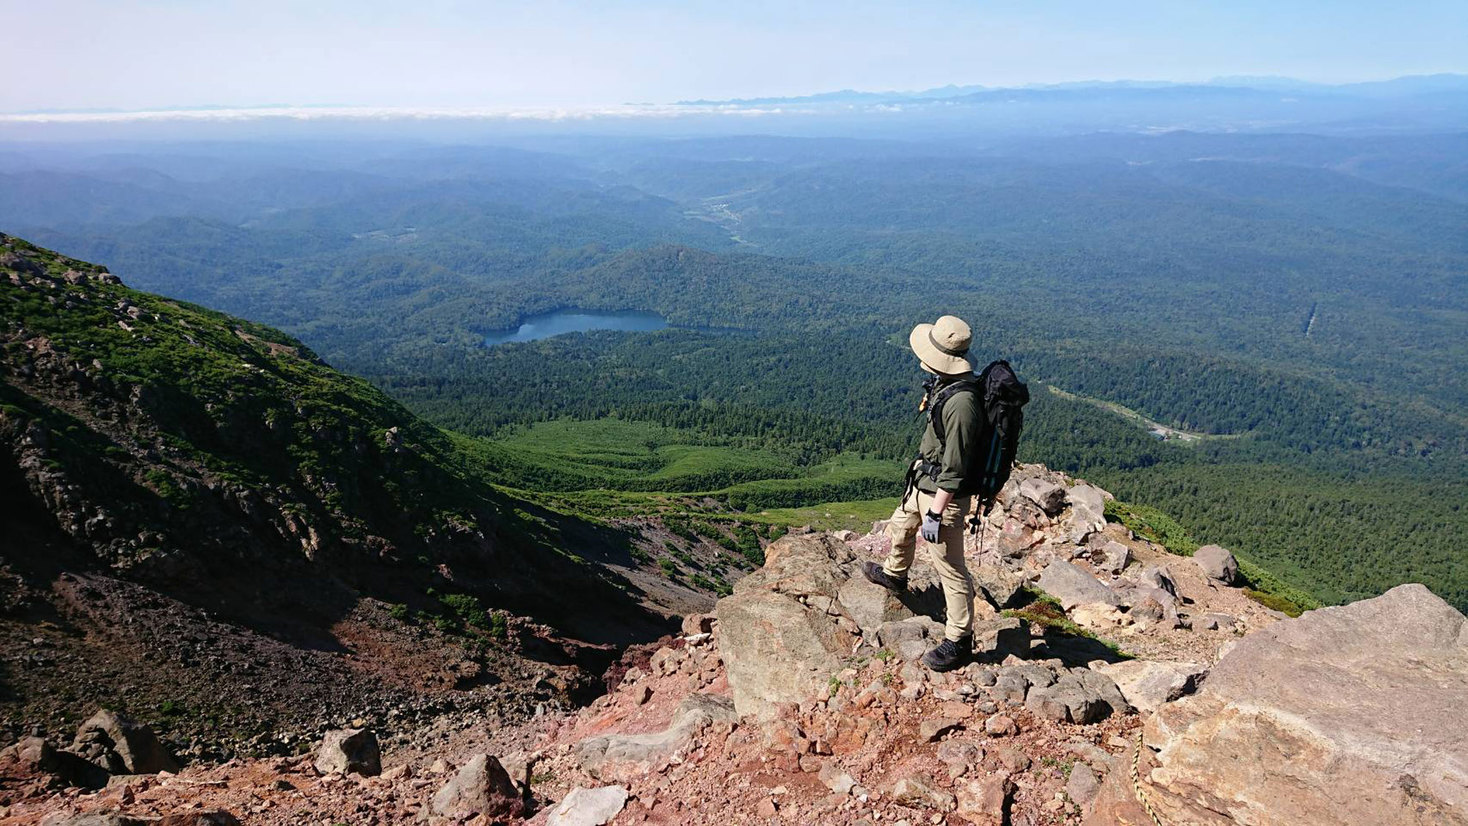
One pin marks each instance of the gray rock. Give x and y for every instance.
(628, 756)
(910, 638)
(345, 751)
(216, 817)
(1082, 785)
(869, 606)
(783, 632)
(1003, 636)
(1147, 684)
(932, 729)
(918, 791)
(1045, 493)
(980, 674)
(1064, 703)
(1152, 595)
(480, 787)
(838, 781)
(1035, 673)
(94, 819)
(1218, 564)
(1111, 556)
(1000, 584)
(1159, 577)
(1073, 585)
(1087, 514)
(1366, 697)
(1011, 686)
(1148, 610)
(1214, 621)
(121, 746)
(959, 756)
(38, 755)
(588, 807)
(517, 766)
(1077, 696)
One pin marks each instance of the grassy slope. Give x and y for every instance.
(633, 457)
(616, 467)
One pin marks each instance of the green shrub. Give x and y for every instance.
(1152, 524)
(499, 625)
(1045, 611)
(466, 610)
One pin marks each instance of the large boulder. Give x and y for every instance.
(1076, 696)
(121, 745)
(1152, 596)
(34, 754)
(784, 631)
(1087, 511)
(482, 787)
(1073, 585)
(1002, 585)
(1046, 493)
(1218, 564)
(870, 607)
(1111, 556)
(351, 750)
(1147, 684)
(910, 638)
(1344, 715)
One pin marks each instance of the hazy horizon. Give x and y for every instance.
(582, 54)
(622, 107)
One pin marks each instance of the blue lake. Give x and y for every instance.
(577, 321)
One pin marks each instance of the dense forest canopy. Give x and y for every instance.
(1295, 304)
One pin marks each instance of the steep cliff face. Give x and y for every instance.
(160, 456)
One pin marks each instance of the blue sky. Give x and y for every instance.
(81, 54)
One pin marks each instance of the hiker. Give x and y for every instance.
(967, 449)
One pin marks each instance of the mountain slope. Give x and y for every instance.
(174, 474)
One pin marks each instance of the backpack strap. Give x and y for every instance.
(946, 392)
(935, 419)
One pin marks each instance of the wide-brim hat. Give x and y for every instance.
(943, 346)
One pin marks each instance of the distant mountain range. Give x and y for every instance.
(1409, 86)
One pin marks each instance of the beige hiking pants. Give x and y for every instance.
(947, 556)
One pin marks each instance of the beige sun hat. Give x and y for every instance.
(943, 346)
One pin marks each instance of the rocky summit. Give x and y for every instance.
(801, 699)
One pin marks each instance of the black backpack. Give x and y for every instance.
(1002, 397)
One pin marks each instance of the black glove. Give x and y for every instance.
(931, 523)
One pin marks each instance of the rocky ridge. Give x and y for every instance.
(800, 701)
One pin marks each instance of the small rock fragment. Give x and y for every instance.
(588, 807)
(1001, 725)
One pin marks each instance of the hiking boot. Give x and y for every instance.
(949, 655)
(875, 574)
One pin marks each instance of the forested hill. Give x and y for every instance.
(1291, 305)
(224, 462)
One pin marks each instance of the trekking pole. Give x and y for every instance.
(983, 528)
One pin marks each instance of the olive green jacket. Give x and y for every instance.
(961, 426)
